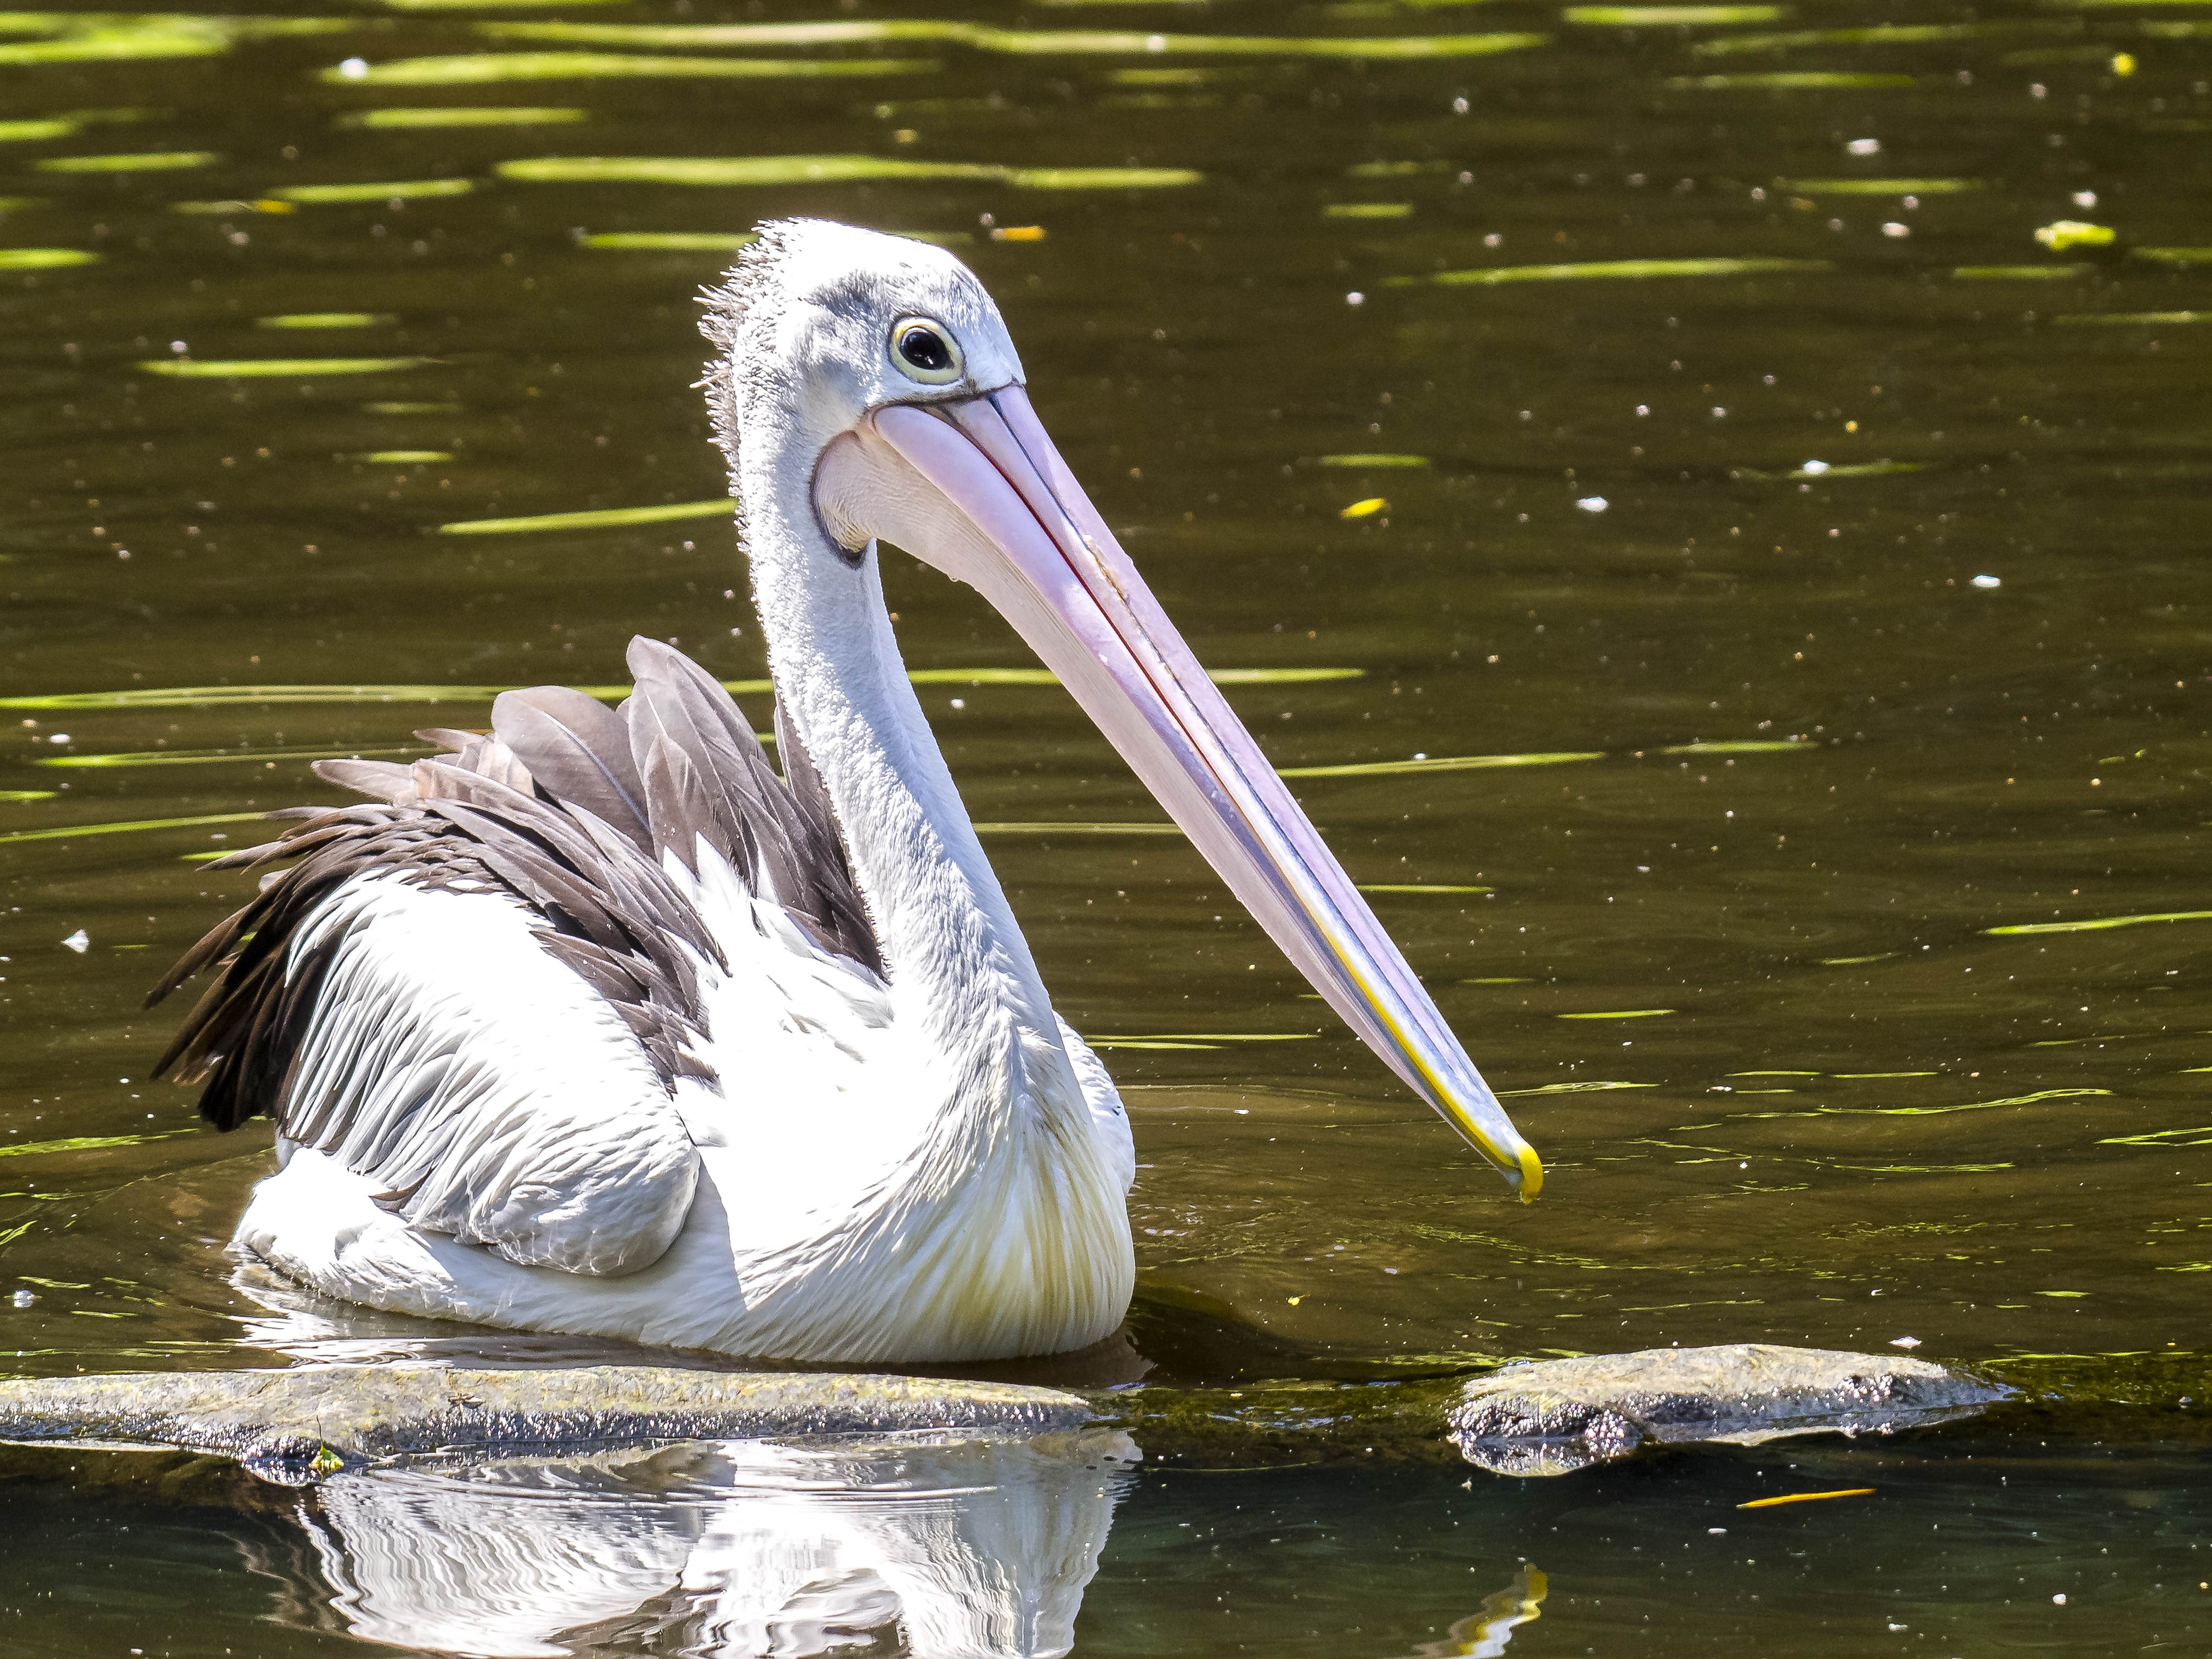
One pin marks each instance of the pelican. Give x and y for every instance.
(596, 1024)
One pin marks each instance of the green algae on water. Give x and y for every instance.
(1741, 746)
(2122, 318)
(36, 131)
(1076, 827)
(492, 68)
(2039, 1095)
(196, 697)
(401, 189)
(208, 756)
(1420, 887)
(166, 161)
(1441, 763)
(1028, 43)
(594, 519)
(129, 826)
(190, 368)
(1592, 1086)
(2099, 924)
(669, 241)
(1794, 81)
(46, 258)
(432, 119)
(325, 319)
(1666, 16)
(1880, 186)
(2016, 273)
(722, 172)
(1612, 270)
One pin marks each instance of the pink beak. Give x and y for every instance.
(976, 488)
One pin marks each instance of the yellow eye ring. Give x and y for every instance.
(925, 352)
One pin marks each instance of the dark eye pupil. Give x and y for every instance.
(926, 349)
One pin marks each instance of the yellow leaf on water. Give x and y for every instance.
(1806, 1497)
(1365, 509)
(2063, 233)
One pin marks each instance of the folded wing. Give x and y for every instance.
(482, 991)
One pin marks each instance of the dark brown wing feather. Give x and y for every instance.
(566, 806)
(578, 749)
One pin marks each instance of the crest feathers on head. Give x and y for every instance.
(729, 307)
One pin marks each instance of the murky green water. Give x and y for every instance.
(1784, 620)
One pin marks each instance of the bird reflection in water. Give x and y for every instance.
(940, 1549)
(1484, 1635)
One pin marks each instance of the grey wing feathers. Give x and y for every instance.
(708, 779)
(564, 811)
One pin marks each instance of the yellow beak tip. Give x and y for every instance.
(1531, 1174)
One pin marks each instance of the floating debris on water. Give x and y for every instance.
(2063, 233)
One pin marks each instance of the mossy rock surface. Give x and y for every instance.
(1556, 1416)
(315, 1420)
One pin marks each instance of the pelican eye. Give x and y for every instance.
(925, 352)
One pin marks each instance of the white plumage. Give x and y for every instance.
(598, 1025)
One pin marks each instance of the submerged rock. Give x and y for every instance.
(1555, 1416)
(299, 1423)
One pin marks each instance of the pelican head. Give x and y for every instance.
(879, 369)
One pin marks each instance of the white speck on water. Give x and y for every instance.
(1355, 298)
(1592, 503)
(80, 941)
(1458, 106)
(24, 1298)
(58, 737)
(1864, 147)
(1715, 1532)
(2085, 198)
(1719, 414)
(1643, 409)
(2059, 1599)
(355, 68)
(960, 702)
(1905, 1342)
(1988, 581)
(1814, 469)
(179, 348)
(1893, 230)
